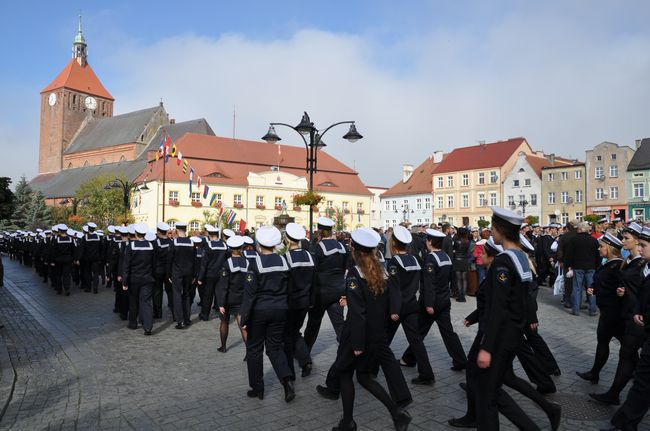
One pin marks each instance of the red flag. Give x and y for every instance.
(198, 182)
(242, 226)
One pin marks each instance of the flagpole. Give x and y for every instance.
(163, 181)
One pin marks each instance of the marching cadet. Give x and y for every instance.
(138, 279)
(264, 313)
(89, 257)
(112, 260)
(249, 248)
(209, 270)
(330, 259)
(199, 252)
(230, 289)
(181, 268)
(162, 244)
(301, 275)
(435, 304)
(404, 274)
(62, 254)
(363, 338)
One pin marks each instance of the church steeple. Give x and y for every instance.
(79, 47)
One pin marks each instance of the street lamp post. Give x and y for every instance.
(126, 187)
(306, 129)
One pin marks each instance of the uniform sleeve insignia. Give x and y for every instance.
(503, 276)
(224, 273)
(429, 268)
(249, 278)
(392, 270)
(352, 284)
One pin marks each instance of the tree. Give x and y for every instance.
(38, 214)
(531, 219)
(592, 218)
(210, 217)
(6, 198)
(23, 201)
(339, 219)
(482, 224)
(99, 205)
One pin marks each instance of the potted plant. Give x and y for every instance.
(346, 211)
(173, 202)
(308, 198)
(238, 205)
(197, 204)
(297, 208)
(360, 211)
(260, 206)
(278, 207)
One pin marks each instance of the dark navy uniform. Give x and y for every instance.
(162, 276)
(113, 260)
(90, 257)
(214, 257)
(230, 284)
(139, 263)
(331, 260)
(181, 267)
(62, 253)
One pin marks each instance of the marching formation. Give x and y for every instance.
(278, 286)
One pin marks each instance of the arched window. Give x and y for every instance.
(86, 163)
(194, 225)
(172, 223)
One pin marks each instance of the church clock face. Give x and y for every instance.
(52, 99)
(91, 103)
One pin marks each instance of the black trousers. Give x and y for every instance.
(329, 303)
(134, 303)
(534, 367)
(610, 325)
(628, 358)
(265, 331)
(411, 326)
(182, 285)
(145, 302)
(121, 300)
(294, 344)
(62, 276)
(543, 352)
(208, 296)
(90, 275)
(449, 337)
(2, 273)
(161, 283)
(637, 403)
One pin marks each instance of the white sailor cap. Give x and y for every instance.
(235, 241)
(181, 225)
(207, 226)
(85, 228)
(602, 220)
(62, 227)
(99, 232)
(111, 229)
(634, 228)
(123, 230)
(268, 236)
(295, 232)
(131, 229)
(71, 232)
(162, 226)
(525, 244)
(79, 235)
(141, 228)
(91, 225)
(434, 233)
(325, 222)
(196, 239)
(39, 230)
(523, 225)
(490, 244)
(611, 240)
(229, 232)
(55, 228)
(616, 220)
(645, 234)
(32, 234)
(42, 235)
(150, 236)
(364, 239)
(507, 216)
(211, 229)
(248, 240)
(402, 234)
(534, 225)
(48, 231)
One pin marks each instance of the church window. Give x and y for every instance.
(122, 159)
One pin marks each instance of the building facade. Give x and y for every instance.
(606, 165)
(638, 182)
(563, 193)
(375, 205)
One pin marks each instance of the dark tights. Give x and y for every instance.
(461, 281)
(369, 384)
(628, 357)
(225, 326)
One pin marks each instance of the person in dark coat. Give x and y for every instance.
(162, 284)
(461, 262)
(582, 258)
(214, 256)
(181, 267)
(62, 254)
(138, 278)
(230, 289)
(89, 258)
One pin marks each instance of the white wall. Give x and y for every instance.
(418, 209)
(535, 188)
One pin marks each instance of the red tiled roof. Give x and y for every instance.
(538, 163)
(232, 161)
(480, 156)
(421, 181)
(76, 77)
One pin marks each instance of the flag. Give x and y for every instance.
(231, 217)
(242, 226)
(191, 175)
(205, 192)
(179, 159)
(220, 212)
(167, 147)
(174, 150)
(198, 183)
(213, 199)
(185, 166)
(284, 204)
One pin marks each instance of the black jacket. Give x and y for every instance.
(404, 275)
(181, 257)
(582, 252)
(62, 250)
(266, 285)
(230, 286)
(163, 250)
(436, 276)
(330, 260)
(214, 257)
(301, 279)
(90, 248)
(139, 263)
(606, 280)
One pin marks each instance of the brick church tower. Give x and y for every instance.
(75, 95)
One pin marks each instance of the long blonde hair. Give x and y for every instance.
(372, 270)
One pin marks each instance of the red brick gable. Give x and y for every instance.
(480, 156)
(76, 77)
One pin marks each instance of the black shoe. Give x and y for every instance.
(350, 426)
(402, 420)
(463, 386)
(605, 398)
(188, 322)
(306, 370)
(556, 372)
(255, 394)
(326, 392)
(546, 391)
(588, 376)
(289, 391)
(147, 332)
(222, 349)
(423, 381)
(202, 318)
(67, 293)
(458, 367)
(554, 416)
(463, 422)
(87, 290)
(132, 326)
(180, 325)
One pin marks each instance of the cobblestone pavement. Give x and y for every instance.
(77, 366)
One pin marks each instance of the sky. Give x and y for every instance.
(416, 76)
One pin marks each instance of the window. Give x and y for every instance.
(564, 197)
(614, 156)
(237, 199)
(564, 176)
(638, 175)
(419, 221)
(613, 171)
(418, 204)
(194, 225)
(565, 218)
(599, 194)
(427, 220)
(219, 197)
(599, 158)
(172, 224)
(278, 201)
(441, 182)
(394, 205)
(481, 178)
(450, 201)
(259, 201)
(196, 197)
(481, 200)
(522, 198)
(599, 172)
(551, 176)
(613, 192)
(527, 182)
(465, 180)
(427, 203)
(493, 199)
(578, 175)
(464, 200)
(387, 205)
(330, 204)
(344, 206)
(579, 215)
(578, 196)
(493, 177)
(173, 195)
(359, 207)
(638, 190)
(441, 201)
(405, 204)
(511, 200)
(450, 181)
(533, 200)
(515, 183)
(551, 197)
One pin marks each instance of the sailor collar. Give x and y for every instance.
(91, 237)
(183, 242)
(63, 239)
(646, 270)
(162, 244)
(240, 266)
(363, 276)
(217, 245)
(520, 261)
(298, 258)
(275, 268)
(411, 263)
(442, 259)
(141, 245)
(331, 246)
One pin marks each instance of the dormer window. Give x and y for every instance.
(327, 184)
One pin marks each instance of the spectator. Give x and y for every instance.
(461, 261)
(582, 257)
(563, 243)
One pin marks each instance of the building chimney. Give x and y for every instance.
(172, 121)
(637, 142)
(437, 156)
(407, 172)
(551, 158)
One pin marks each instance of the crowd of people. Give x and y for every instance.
(277, 286)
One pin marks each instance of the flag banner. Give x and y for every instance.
(220, 212)
(213, 199)
(191, 175)
(179, 159)
(174, 150)
(205, 191)
(242, 226)
(185, 166)
(231, 216)
(198, 182)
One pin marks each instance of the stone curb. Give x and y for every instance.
(7, 375)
